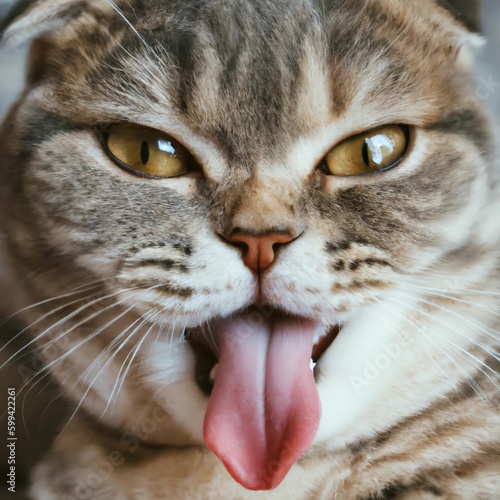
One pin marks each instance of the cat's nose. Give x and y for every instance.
(258, 250)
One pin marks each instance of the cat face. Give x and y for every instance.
(255, 253)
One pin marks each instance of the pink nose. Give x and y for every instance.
(259, 250)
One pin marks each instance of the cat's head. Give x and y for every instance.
(240, 180)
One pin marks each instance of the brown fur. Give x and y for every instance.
(259, 92)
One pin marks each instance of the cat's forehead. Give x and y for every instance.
(255, 76)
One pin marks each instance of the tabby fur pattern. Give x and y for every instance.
(104, 271)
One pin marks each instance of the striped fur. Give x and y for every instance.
(119, 266)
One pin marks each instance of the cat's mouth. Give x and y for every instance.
(264, 408)
(206, 350)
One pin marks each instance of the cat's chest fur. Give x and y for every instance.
(256, 246)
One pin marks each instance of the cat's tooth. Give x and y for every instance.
(213, 372)
(312, 365)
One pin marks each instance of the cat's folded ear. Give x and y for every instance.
(467, 12)
(30, 18)
(465, 31)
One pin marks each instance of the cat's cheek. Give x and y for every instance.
(215, 283)
(378, 370)
(349, 380)
(302, 285)
(327, 285)
(171, 408)
(171, 368)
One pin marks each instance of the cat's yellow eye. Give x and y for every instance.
(147, 152)
(368, 152)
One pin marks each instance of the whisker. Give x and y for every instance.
(141, 321)
(75, 313)
(491, 334)
(110, 346)
(60, 322)
(46, 368)
(462, 352)
(45, 316)
(122, 15)
(417, 326)
(472, 291)
(94, 334)
(422, 331)
(429, 338)
(77, 290)
(120, 384)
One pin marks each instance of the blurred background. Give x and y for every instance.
(487, 66)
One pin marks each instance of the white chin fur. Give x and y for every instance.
(380, 368)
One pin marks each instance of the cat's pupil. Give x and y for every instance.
(144, 152)
(366, 158)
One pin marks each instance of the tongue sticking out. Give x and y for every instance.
(264, 410)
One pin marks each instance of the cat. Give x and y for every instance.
(255, 247)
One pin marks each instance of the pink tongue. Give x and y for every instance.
(264, 410)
